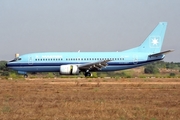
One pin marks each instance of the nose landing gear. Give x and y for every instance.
(23, 73)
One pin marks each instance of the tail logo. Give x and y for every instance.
(154, 42)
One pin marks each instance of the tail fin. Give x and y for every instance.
(154, 41)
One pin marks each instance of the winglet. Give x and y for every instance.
(161, 53)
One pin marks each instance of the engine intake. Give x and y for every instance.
(69, 70)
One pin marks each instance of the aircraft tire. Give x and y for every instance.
(87, 74)
(25, 76)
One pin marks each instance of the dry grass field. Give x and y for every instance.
(90, 99)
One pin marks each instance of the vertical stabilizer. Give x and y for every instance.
(154, 41)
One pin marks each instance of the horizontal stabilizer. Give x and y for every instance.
(161, 53)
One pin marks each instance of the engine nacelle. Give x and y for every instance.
(69, 70)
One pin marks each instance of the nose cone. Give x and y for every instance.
(7, 64)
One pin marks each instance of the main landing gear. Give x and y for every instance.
(25, 75)
(87, 74)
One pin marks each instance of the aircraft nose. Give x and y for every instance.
(7, 65)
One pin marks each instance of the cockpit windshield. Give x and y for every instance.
(15, 59)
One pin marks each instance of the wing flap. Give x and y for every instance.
(161, 53)
(94, 65)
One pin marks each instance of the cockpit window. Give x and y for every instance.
(15, 59)
(12, 60)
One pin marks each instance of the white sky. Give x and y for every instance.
(28, 26)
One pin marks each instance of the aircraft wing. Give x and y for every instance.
(94, 65)
(161, 53)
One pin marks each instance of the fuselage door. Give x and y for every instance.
(135, 59)
(30, 60)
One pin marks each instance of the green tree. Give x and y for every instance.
(4, 71)
(3, 65)
(150, 69)
(172, 74)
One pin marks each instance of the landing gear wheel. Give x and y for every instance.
(87, 74)
(25, 76)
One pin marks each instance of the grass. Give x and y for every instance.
(80, 99)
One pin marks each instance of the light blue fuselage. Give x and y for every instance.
(51, 61)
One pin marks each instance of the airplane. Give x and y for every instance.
(73, 63)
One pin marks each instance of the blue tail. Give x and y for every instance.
(154, 41)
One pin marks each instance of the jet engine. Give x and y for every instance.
(69, 70)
